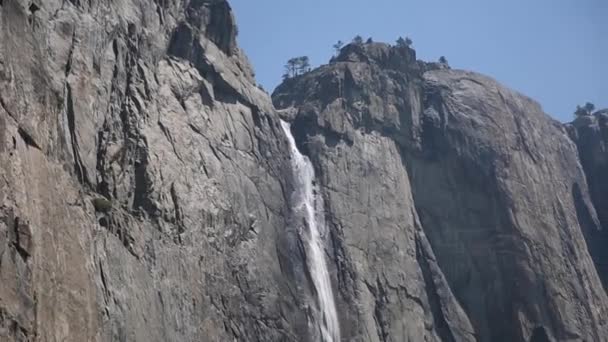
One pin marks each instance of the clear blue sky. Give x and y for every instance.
(555, 51)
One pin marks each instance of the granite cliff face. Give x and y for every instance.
(143, 178)
(459, 210)
(146, 190)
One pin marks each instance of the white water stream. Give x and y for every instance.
(310, 206)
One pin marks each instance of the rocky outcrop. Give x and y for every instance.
(591, 136)
(458, 208)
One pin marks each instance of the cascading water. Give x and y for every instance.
(310, 207)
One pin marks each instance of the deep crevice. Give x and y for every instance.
(27, 138)
(102, 186)
(539, 334)
(379, 294)
(21, 246)
(442, 327)
(4, 106)
(169, 137)
(143, 185)
(178, 214)
(79, 168)
(33, 8)
(68, 64)
(103, 280)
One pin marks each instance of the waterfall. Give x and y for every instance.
(309, 206)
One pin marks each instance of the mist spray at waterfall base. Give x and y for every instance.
(310, 206)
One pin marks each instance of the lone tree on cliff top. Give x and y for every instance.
(338, 47)
(407, 42)
(296, 66)
(587, 109)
